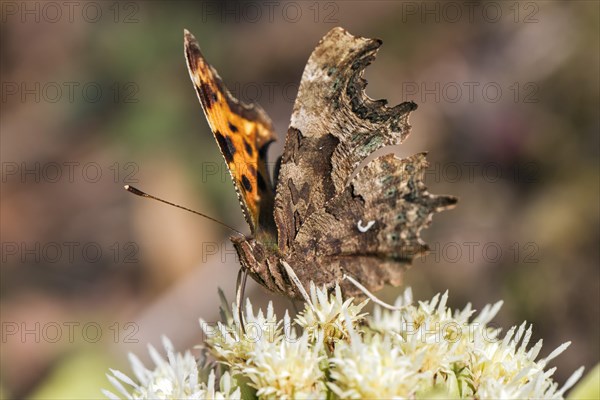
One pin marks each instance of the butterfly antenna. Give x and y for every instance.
(138, 192)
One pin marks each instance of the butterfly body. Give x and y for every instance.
(330, 213)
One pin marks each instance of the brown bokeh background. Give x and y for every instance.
(508, 109)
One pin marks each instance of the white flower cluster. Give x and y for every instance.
(178, 377)
(420, 350)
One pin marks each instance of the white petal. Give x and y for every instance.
(123, 377)
(571, 381)
(155, 356)
(556, 352)
(110, 395)
(139, 369)
(118, 386)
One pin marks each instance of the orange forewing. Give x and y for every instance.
(243, 133)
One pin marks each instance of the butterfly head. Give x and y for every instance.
(257, 244)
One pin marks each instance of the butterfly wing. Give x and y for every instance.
(243, 133)
(366, 225)
(371, 230)
(334, 127)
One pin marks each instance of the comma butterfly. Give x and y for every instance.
(320, 220)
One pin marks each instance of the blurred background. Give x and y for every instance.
(96, 95)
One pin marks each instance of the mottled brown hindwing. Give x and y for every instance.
(335, 125)
(331, 223)
(380, 214)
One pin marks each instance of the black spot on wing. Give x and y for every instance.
(246, 183)
(206, 94)
(248, 148)
(232, 127)
(226, 146)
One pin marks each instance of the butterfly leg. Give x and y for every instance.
(370, 295)
(297, 282)
(240, 287)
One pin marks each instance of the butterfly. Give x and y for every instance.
(326, 214)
